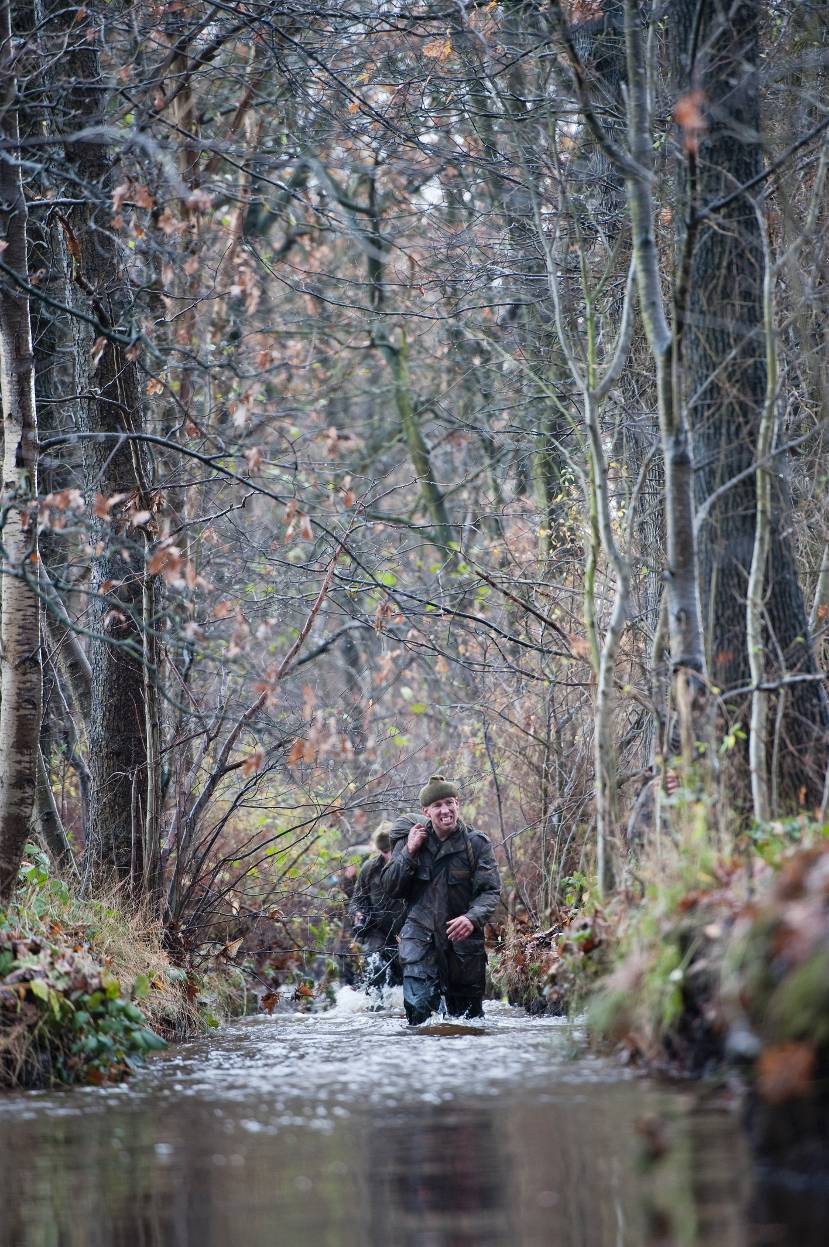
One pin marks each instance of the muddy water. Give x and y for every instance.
(344, 1129)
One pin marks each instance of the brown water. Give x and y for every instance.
(344, 1129)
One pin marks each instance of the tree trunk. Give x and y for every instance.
(20, 663)
(725, 382)
(117, 723)
(682, 586)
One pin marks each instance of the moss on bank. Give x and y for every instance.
(87, 989)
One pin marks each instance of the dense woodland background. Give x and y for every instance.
(391, 385)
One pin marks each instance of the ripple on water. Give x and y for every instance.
(350, 1128)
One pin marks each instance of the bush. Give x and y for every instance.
(63, 1017)
(78, 979)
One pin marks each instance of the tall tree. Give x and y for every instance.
(20, 661)
(723, 359)
(115, 465)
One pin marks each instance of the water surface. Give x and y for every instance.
(345, 1129)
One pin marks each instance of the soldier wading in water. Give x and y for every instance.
(446, 873)
(377, 917)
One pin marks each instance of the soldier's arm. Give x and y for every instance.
(399, 874)
(486, 888)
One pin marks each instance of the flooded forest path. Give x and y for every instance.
(344, 1129)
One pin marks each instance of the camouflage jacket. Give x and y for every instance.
(379, 911)
(444, 880)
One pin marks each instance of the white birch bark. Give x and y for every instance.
(20, 661)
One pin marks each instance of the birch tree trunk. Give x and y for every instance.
(758, 742)
(20, 661)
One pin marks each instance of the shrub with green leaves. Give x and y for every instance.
(64, 1016)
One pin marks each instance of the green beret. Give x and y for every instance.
(437, 788)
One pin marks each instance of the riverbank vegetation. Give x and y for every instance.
(713, 965)
(87, 989)
(389, 386)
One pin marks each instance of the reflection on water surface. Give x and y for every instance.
(347, 1130)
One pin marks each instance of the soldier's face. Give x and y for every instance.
(443, 814)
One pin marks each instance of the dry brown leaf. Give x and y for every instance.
(785, 1071)
(96, 353)
(142, 198)
(253, 763)
(580, 646)
(119, 195)
(689, 116)
(296, 752)
(168, 223)
(438, 49)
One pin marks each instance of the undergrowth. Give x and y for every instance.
(712, 959)
(87, 990)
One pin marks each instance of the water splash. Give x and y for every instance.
(351, 1000)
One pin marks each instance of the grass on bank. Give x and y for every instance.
(708, 958)
(87, 990)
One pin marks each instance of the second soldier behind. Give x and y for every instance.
(377, 917)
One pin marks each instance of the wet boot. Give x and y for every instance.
(458, 1006)
(421, 998)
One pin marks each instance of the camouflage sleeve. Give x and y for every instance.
(486, 887)
(399, 873)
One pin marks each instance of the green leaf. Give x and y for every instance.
(387, 578)
(154, 1042)
(110, 985)
(39, 988)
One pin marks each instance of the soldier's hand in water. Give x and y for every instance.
(459, 928)
(417, 836)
